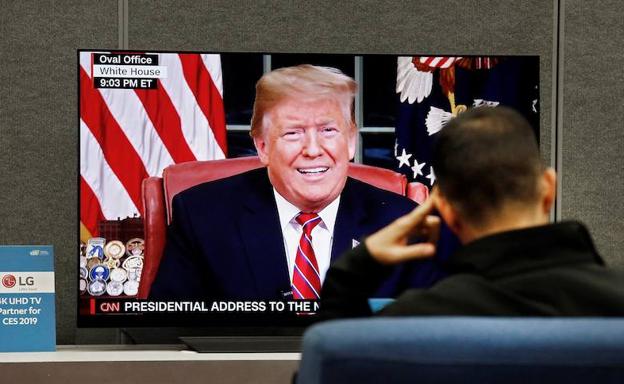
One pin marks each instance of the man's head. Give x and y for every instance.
(489, 174)
(304, 131)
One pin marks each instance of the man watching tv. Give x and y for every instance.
(272, 232)
(495, 195)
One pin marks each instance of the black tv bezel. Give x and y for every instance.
(154, 325)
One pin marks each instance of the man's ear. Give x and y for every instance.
(548, 189)
(261, 147)
(353, 135)
(446, 210)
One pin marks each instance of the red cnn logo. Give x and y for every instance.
(109, 307)
(9, 281)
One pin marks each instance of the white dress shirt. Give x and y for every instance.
(322, 234)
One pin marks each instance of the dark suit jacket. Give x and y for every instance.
(225, 240)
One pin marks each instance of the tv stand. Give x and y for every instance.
(232, 344)
(216, 340)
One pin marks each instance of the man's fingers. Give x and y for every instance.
(431, 227)
(427, 230)
(418, 213)
(415, 251)
(406, 224)
(388, 245)
(421, 211)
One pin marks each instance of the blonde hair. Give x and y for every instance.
(303, 82)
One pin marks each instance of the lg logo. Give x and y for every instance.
(9, 281)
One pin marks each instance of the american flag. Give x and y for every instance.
(127, 135)
(432, 90)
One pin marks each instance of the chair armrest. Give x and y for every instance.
(155, 231)
(417, 192)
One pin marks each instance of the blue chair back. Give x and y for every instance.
(464, 350)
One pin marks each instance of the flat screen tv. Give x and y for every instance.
(150, 123)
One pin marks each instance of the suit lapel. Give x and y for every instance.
(263, 240)
(351, 215)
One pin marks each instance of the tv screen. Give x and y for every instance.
(182, 223)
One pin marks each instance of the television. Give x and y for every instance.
(147, 117)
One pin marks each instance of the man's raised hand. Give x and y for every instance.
(390, 245)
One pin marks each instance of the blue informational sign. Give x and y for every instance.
(27, 316)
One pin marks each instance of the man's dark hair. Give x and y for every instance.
(484, 158)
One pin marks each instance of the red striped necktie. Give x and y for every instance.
(306, 284)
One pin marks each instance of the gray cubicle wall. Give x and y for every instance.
(592, 137)
(39, 132)
(580, 107)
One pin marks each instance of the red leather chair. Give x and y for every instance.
(158, 194)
